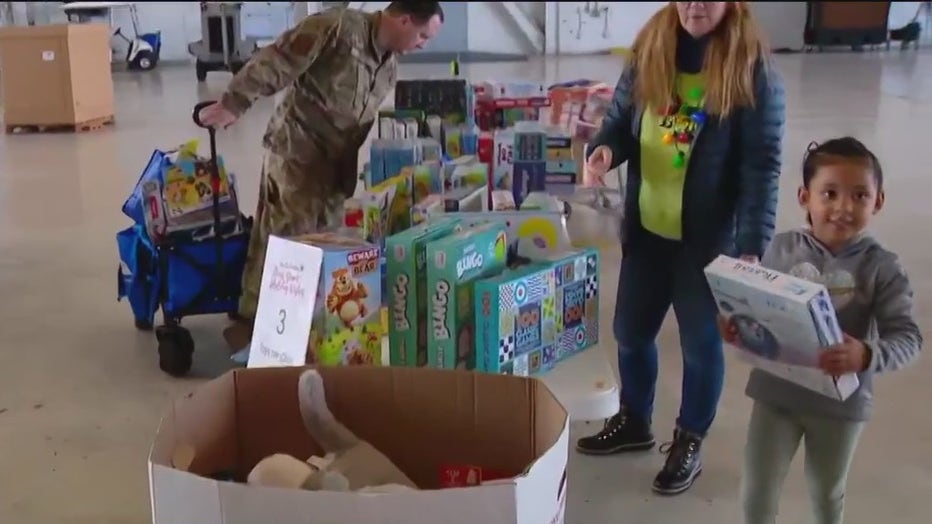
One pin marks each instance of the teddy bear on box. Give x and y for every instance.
(349, 464)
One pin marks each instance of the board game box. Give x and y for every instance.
(454, 263)
(407, 290)
(347, 326)
(782, 322)
(531, 317)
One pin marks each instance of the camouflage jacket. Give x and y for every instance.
(335, 76)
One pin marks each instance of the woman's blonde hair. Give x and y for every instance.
(735, 46)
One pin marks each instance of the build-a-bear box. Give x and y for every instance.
(347, 325)
(406, 290)
(782, 323)
(454, 263)
(529, 318)
(425, 420)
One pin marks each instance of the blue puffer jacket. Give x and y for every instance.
(730, 193)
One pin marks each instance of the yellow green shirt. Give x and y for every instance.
(661, 194)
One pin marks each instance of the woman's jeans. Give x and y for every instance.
(656, 273)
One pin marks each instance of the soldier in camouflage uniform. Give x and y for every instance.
(336, 68)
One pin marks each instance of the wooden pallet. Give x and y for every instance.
(90, 125)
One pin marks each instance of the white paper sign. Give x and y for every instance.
(48, 56)
(287, 297)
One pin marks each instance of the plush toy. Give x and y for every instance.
(350, 463)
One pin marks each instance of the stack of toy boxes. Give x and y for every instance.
(406, 290)
(529, 318)
(460, 140)
(388, 157)
(346, 327)
(592, 113)
(453, 264)
(503, 145)
(561, 167)
(461, 180)
(451, 98)
(395, 128)
(502, 104)
(567, 101)
(530, 161)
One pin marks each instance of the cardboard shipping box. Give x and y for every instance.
(56, 74)
(426, 421)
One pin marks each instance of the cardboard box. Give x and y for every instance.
(782, 323)
(424, 420)
(56, 74)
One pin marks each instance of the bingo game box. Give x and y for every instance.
(531, 317)
(782, 322)
(407, 290)
(347, 325)
(454, 263)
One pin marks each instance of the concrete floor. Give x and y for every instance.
(81, 392)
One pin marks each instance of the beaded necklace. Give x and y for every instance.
(681, 122)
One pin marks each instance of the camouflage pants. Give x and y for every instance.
(296, 197)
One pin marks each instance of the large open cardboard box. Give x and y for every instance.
(423, 419)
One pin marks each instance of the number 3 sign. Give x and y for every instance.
(287, 298)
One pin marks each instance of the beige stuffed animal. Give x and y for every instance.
(350, 464)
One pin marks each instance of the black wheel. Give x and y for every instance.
(176, 350)
(144, 61)
(143, 325)
(201, 70)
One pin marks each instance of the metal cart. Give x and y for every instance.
(221, 47)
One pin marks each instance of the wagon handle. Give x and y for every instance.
(215, 183)
(196, 116)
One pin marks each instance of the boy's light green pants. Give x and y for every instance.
(774, 436)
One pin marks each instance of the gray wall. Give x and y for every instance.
(453, 37)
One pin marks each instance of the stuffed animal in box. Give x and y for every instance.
(349, 464)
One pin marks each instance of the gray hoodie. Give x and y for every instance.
(874, 301)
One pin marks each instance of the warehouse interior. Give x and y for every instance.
(81, 393)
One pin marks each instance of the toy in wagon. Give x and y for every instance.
(186, 251)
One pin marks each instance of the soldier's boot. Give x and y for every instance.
(238, 334)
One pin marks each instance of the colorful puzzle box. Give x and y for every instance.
(532, 317)
(782, 323)
(454, 263)
(407, 290)
(347, 326)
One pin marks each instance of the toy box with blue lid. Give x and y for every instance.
(185, 252)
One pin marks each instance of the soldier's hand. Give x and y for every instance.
(217, 116)
(597, 165)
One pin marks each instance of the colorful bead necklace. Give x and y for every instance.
(682, 121)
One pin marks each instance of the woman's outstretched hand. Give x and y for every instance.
(598, 163)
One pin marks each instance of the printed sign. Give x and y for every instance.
(287, 297)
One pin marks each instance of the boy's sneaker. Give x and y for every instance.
(683, 464)
(621, 433)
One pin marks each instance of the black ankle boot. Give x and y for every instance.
(623, 432)
(683, 464)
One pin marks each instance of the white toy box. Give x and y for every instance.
(782, 323)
